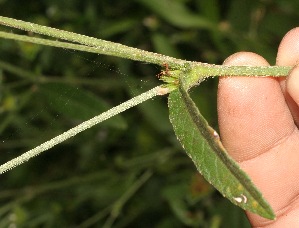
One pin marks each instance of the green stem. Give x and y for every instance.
(52, 43)
(81, 127)
(104, 47)
(253, 71)
(198, 73)
(99, 46)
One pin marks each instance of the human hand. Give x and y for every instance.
(258, 121)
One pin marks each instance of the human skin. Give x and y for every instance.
(258, 121)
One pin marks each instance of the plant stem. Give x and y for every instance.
(253, 71)
(81, 127)
(104, 47)
(52, 43)
(91, 44)
(201, 70)
(198, 73)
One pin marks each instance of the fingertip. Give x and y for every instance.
(245, 58)
(248, 107)
(230, 84)
(288, 55)
(292, 84)
(288, 50)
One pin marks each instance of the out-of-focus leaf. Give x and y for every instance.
(210, 8)
(176, 197)
(177, 14)
(77, 103)
(203, 145)
(117, 27)
(8, 103)
(239, 15)
(28, 50)
(231, 216)
(164, 46)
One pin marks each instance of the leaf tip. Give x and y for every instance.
(264, 210)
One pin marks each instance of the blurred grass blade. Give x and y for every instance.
(202, 144)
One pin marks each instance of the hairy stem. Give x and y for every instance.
(81, 127)
(200, 70)
(104, 47)
(198, 73)
(52, 43)
(91, 44)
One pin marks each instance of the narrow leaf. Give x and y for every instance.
(203, 145)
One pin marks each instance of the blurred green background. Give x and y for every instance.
(129, 171)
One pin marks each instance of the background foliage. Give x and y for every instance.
(129, 171)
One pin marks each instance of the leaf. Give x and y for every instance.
(77, 103)
(176, 13)
(210, 9)
(202, 144)
(163, 45)
(115, 27)
(231, 216)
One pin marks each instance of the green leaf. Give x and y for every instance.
(210, 9)
(77, 103)
(177, 14)
(115, 27)
(163, 45)
(203, 145)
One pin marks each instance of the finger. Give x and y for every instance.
(292, 85)
(248, 109)
(256, 128)
(288, 55)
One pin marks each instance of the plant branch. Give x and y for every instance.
(104, 47)
(199, 73)
(191, 72)
(81, 127)
(52, 43)
(91, 44)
